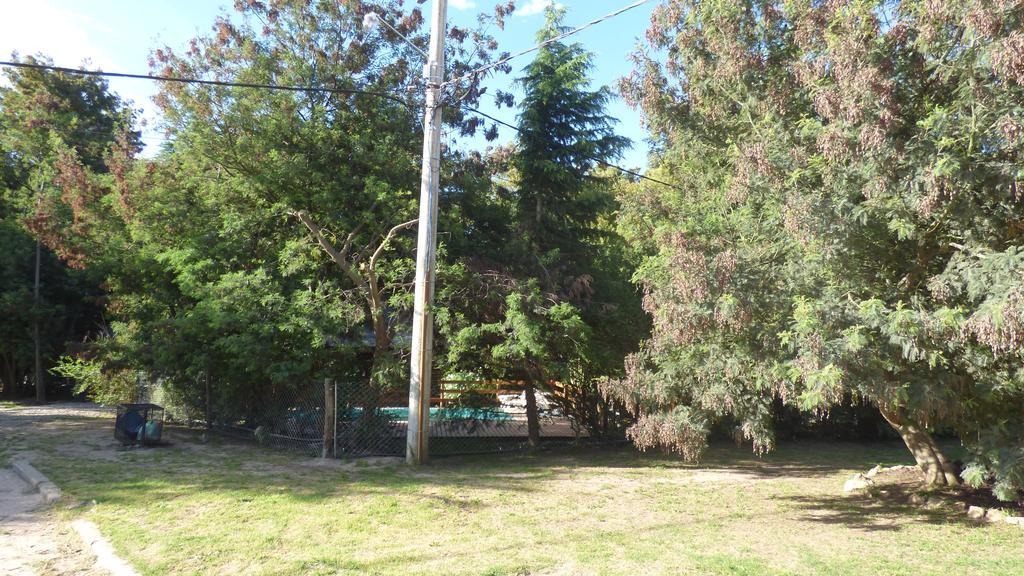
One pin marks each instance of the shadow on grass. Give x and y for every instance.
(886, 508)
(241, 472)
(795, 460)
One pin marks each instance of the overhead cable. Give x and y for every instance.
(482, 69)
(320, 89)
(591, 158)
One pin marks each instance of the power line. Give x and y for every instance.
(483, 69)
(591, 158)
(331, 90)
(320, 89)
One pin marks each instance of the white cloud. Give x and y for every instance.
(34, 27)
(463, 4)
(533, 7)
(71, 39)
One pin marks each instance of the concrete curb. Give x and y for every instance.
(35, 479)
(106, 558)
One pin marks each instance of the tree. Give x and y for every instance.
(541, 286)
(45, 119)
(16, 303)
(270, 234)
(846, 222)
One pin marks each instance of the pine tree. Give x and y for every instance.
(551, 265)
(565, 134)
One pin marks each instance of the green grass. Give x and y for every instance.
(225, 508)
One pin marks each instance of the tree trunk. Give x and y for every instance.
(381, 334)
(8, 379)
(209, 402)
(40, 384)
(532, 415)
(936, 468)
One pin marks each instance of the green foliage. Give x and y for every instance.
(15, 303)
(532, 338)
(564, 134)
(539, 289)
(46, 119)
(847, 217)
(105, 387)
(253, 253)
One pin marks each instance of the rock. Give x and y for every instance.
(858, 482)
(975, 512)
(874, 471)
(995, 515)
(1018, 520)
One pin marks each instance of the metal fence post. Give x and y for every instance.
(334, 425)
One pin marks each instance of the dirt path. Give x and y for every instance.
(33, 541)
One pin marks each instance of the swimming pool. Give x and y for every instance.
(443, 413)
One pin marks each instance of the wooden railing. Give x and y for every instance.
(449, 391)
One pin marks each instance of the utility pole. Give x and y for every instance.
(40, 385)
(426, 245)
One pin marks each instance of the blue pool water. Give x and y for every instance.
(437, 413)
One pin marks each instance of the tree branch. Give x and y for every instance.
(340, 258)
(387, 238)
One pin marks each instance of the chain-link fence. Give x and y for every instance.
(470, 416)
(292, 417)
(352, 419)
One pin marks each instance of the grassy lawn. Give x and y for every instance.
(227, 508)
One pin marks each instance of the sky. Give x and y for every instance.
(118, 36)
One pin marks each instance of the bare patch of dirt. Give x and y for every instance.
(983, 498)
(899, 476)
(900, 485)
(589, 479)
(67, 409)
(90, 426)
(702, 475)
(34, 542)
(354, 464)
